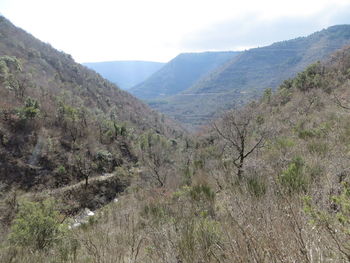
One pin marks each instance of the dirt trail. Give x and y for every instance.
(71, 187)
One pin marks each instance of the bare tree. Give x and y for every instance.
(156, 155)
(83, 166)
(340, 103)
(243, 132)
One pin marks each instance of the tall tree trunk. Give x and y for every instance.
(240, 168)
(86, 181)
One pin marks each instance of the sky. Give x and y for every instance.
(158, 30)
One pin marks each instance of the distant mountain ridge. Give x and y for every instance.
(180, 74)
(125, 74)
(245, 76)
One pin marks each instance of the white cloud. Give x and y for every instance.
(155, 29)
(252, 30)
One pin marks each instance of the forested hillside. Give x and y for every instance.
(61, 122)
(180, 74)
(248, 74)
(268, 182)
(125, 74)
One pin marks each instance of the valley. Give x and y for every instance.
(241, 78)
(180, 73)
(252, 164)
(125, 74)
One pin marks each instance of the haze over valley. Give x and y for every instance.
(125, 74)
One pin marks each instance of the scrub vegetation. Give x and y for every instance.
(267, 182)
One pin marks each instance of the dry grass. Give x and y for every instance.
(214, 216)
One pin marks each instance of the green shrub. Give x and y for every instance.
(334, 222)
(306, 134)
(198, 238)
(36, 225)
(318, 132)
(154, 211)
(318, 147)
(293, 178)
(187, 241)
(286, 84)
(202, 192)
(315, 171)
(68, 249)
(61, 170)
(208, 234)
(256, 187)
(187, 176)
(284, 95)
(284, 143)
(104, 160)
(30, 110)
(310, 78)
(198, 164)
(267, 95)
(103, 155)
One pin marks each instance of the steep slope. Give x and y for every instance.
(246, 75)
(180, 73)
(61, 122)
(125, 74)
(289, 203)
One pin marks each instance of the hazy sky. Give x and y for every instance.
(158, 30)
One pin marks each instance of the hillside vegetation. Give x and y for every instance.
(61, 123)
(268, 182)
(248, 74)
(180, 74)
(125, 74)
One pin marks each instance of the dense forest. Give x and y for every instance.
(266, 182)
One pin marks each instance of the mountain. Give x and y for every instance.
(61, 122)
(180, 73)
(125, 74)
(268, 182)
(245, 76)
